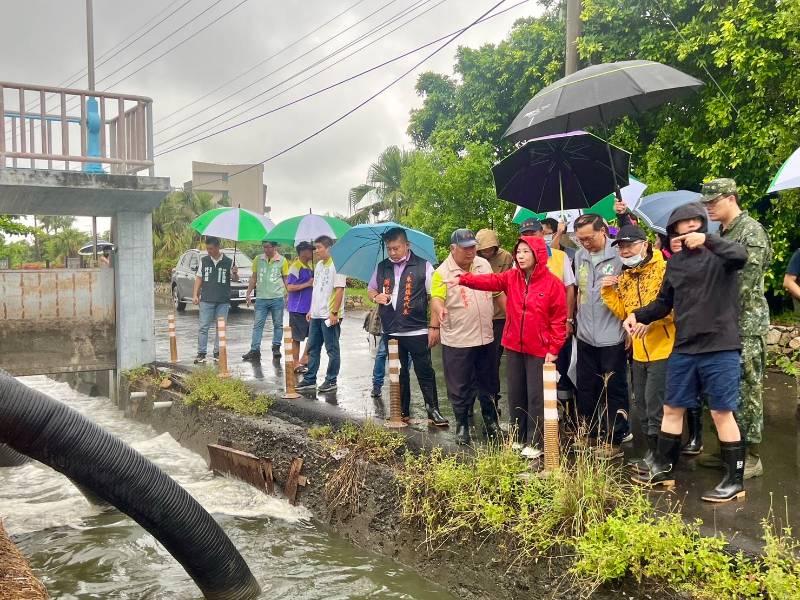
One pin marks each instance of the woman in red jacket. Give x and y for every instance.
(536, 315)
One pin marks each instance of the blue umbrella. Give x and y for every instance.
(655, 209)
(358, 252)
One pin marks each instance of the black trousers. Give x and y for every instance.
(497, 326)
(525, 396)
(467, 371)
(604, 406)
(416, 347)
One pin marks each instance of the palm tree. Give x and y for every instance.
(171, 232)
(65, 244)
(382, 193)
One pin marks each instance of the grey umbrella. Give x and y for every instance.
(655, 209)
(599, 94)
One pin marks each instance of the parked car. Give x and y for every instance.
(185, 272)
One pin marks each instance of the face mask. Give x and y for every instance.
(632, 261)
(548, 239)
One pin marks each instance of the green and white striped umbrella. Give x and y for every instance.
(237, 224)
(307, 228)
(788, 176)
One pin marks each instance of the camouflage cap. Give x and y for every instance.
(715, 188)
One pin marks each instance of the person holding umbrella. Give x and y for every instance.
(721, 198)
(212, 293)
(602, 386)
(400, 286)
(270, 273)
(300, 282)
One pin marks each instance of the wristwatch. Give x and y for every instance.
(571, 321)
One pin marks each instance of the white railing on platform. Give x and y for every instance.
(72, 129)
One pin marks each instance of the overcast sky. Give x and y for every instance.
(47, 44)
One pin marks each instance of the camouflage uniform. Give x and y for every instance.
(754, 311)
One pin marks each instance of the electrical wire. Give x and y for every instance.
(262, 62)
(280, 68)
(226, 113)
(366, 101)
(332, 86)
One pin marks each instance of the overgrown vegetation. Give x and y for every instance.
(354, 446)
(206, 388)
(138, 374)
(587, 513)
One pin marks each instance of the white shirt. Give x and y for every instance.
(326, 281)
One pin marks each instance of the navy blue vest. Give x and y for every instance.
(411, 313)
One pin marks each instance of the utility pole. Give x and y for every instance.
(90, 42)
(90, 70)
(573, 33)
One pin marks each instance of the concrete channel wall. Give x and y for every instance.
(57, 321)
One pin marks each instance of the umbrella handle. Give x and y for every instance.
(617, 191)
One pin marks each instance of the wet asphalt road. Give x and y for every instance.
(778, 489)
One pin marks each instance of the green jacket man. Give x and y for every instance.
(721, 197)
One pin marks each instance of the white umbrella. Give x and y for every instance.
(788, 176)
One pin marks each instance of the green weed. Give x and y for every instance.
(138, 374)
(320, 432)
(206, 388)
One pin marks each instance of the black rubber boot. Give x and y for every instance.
(731, 487)
(661, 472)
(462, 429)
(695, 421)
(435, 417)
(642, 465)
(489, 413)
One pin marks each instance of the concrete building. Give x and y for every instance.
(85, 320)
(237, 185)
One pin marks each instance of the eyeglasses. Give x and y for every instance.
(586, 239)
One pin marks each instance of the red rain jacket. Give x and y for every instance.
(536, 310)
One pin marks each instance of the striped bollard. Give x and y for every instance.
(288, 368)
(552, 451)
(173, 341)
(395, 405)
(223, 348)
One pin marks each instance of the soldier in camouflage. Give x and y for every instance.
(721, 198)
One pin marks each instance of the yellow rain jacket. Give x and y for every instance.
(637, 287)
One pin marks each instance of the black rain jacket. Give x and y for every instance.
(701, 285)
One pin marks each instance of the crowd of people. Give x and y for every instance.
(673, 325)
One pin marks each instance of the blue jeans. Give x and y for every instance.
(209, 312)
(267, 307)
(382, 354)
(319, 334)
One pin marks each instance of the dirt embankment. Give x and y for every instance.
(468, 569)
(17, 581)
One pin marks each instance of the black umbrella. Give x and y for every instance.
(559, 172)
(599, 94)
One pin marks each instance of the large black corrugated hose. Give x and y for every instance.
(52, 433)
(11, 458)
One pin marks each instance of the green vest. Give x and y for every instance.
(270, 277)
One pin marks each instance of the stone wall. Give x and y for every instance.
(783, 339)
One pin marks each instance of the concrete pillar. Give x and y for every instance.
(134, 293)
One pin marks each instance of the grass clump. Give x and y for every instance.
(138, 374)
(206, 388)
(495, 494)
(356, 446)
(586, 513)
(320, 432)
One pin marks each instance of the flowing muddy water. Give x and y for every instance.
(81, 552)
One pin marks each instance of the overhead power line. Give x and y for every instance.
(280, 68)
(298, 83)
(369, 99)
(337, 84)
(262, 62)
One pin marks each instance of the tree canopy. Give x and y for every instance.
(743, 124)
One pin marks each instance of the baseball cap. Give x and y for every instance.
(630, 233)
(530, 226)
(464, 238)
(715, 188)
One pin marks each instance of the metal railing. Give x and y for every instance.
(38, 127)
